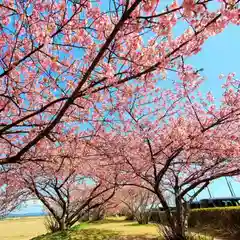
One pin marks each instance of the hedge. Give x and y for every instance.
(225, 219)
(220, 217)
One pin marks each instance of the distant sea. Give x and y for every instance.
(12, 215)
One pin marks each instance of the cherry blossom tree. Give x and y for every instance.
(139, 202)
(83, 69)
(68, 184)
(62, 62)
(176, 141)
(10, 200)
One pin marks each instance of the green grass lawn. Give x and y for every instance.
(125, 227)
(108, 229)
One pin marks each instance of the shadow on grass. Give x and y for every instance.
(135, 224)
(108, 221)
(217, 233)
(80, 234)
(89, 234)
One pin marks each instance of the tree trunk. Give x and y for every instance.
(186, 216)
(181, 219)
(169, 215)
(146, 218)
(62, 226)
(142, 218)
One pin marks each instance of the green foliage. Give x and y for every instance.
(217, 209)
(80, 226)
(216, 217)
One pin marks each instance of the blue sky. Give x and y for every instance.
(220, 54)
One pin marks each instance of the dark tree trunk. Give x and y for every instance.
(181, 219)
(178, 220)
(142, 218)
(63, 226)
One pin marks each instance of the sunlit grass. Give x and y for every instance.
(80, 234)
(107, 229)
(126, 227)
(21, 228)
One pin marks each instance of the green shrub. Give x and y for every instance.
(224, 219)
(219, 217)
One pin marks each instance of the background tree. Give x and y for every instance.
(10, 200)
(139, 203)
(99, 213)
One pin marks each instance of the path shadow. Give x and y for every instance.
(104, 221)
